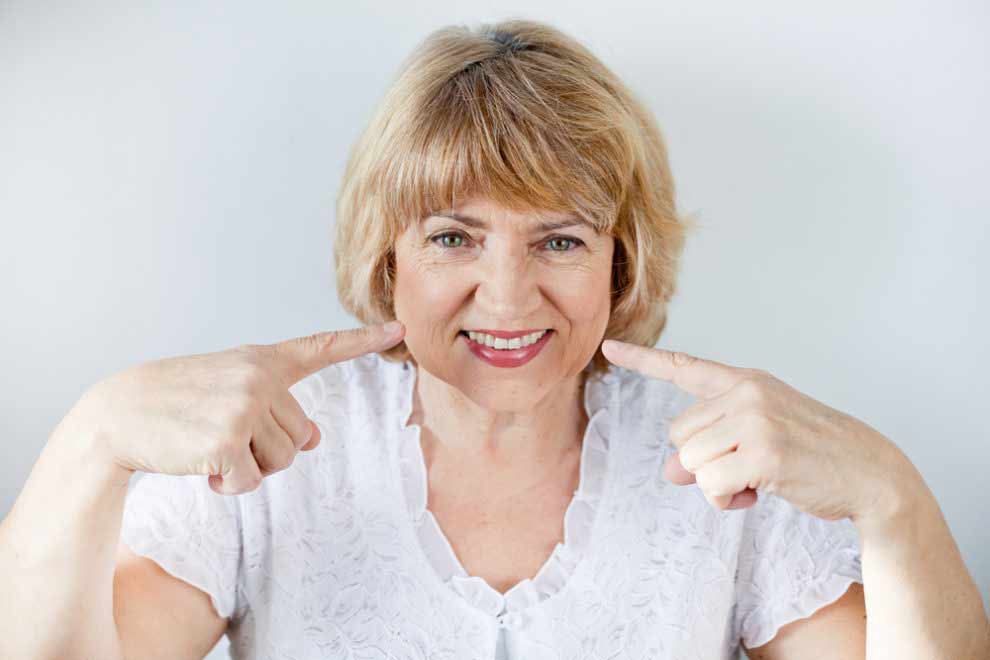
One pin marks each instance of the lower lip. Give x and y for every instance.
(515, 357)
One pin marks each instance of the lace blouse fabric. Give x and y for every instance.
(339, 557)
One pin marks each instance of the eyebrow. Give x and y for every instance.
(541, 227)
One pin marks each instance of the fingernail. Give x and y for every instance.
(392, 327)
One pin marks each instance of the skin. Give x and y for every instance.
(70, 587)
(749, 432)
(508, 276)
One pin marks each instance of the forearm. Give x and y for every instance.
(58, 550)
(921, 601)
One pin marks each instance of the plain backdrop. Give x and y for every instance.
(168, 174)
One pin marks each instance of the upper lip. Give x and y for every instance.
(506, 334)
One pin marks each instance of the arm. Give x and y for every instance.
(920, 601)
(87, 595)
(834, 632)
(159, 616)
(57, 553)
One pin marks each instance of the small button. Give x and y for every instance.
(512, 621)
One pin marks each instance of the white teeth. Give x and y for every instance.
(506, 344)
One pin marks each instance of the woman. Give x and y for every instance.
(491, 479)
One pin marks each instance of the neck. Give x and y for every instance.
(530, 441)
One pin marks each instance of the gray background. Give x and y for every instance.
(168, 173)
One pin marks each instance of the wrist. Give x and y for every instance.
(900, 498)
(82, 440)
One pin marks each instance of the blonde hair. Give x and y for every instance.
(527, 116)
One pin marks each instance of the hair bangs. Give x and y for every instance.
(527, 116)
(479, 135)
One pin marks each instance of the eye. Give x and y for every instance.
(456, 240)
(575, 241)
(447, 244)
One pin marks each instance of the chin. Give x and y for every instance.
(516, 401)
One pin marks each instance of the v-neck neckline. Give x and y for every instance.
(581, 518)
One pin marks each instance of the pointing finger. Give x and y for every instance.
(702, 378)
(302, 356)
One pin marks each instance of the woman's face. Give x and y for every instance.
(504, 274)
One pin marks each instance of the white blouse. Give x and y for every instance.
(338, 556)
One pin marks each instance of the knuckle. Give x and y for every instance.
(770, 455)
(240, 414)
(221, 449)
(323, 341)
(283, 459)
(305, 433)
(244, 483)
(712, 497)
(680, 359)
(753, 391)
(252, 358)
(251, 484)
(272, 450)
(702, 478)
(252, 390)
(759, 425)
(256, 381)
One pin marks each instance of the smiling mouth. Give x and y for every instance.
(465, 332)
(506, 353)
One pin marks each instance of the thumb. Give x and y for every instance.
(299, 357)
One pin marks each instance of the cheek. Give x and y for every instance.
(428, 296)
(426, 299)
(586, 301)
(584, 297)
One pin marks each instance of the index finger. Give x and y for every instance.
(299, 357)
(700, 377)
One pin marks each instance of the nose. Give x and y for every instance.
(508, 286)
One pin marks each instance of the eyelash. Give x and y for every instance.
(576, 241)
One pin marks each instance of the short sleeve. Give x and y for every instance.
(189, 530)
(791, 564)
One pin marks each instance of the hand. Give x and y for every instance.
(227, 414)
(750, 431)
